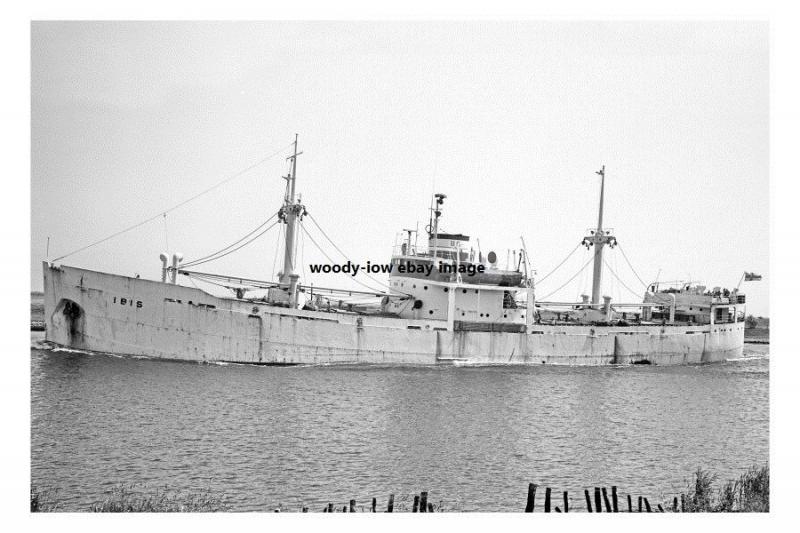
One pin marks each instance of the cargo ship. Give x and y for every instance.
(445, 303)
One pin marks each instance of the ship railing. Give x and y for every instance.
(420, 250)
(426, 251)
(601, 304)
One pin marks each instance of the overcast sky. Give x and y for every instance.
(510, 120)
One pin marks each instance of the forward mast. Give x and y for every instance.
(291, 214)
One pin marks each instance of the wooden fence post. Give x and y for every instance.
(614, 498)
(598, 506)
(547, 500)
(344, 508)
(430, 507)
(588, 500)
(305, 509)
(675, 504)
(423, 502)
(352, 506)
(647, 505)
(605, 500)
(630, 504)
(330, 507)
(531, 496)
(683, 502)
(660, 509)
(640, 504)
(416, 503)
(390, 507)
(566, 502)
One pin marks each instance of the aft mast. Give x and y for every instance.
(599, 238)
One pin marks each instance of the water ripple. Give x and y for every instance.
(472, 436)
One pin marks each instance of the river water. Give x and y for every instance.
(474, 437)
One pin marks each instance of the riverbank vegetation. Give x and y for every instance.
(748, 493)
(137, 498)
(756, 328)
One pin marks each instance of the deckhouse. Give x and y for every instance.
(447, 279)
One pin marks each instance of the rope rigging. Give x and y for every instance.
(569, 280)
(199, 262)
(277, 249)
(631, 267)
(582, 285)
(302, 227)
(176, 206)
(560, 264)
(214, 279)
(345, 255)
(206, 259)
(619, 280)
(166, 233)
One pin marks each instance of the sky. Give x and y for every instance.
(510, 120)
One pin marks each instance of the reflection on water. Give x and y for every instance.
(472, 436)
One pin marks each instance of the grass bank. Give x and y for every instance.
(136, 498)
(748, 493)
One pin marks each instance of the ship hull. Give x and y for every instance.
(104, 312)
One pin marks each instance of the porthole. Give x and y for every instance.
(446, 289)
(415, 286)
(505, 316)
(462, 313)
(430, 312)
(476, 291)
(464, 290)
(425, 287)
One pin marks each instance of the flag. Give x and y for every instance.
(752, 276)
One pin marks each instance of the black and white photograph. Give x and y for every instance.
(400, 266)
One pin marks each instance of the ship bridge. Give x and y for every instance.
(448, 279)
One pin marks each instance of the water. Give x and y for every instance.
(473, 437)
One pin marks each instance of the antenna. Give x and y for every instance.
(436, 212)
(602, 174)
